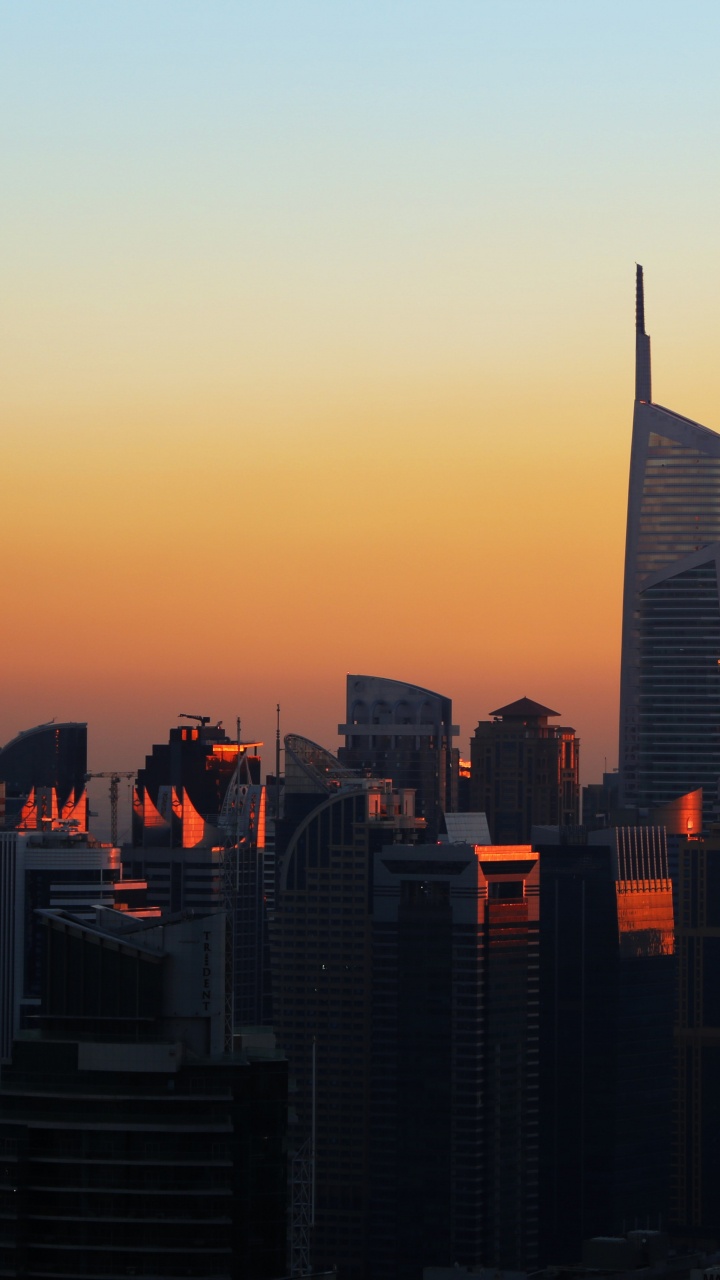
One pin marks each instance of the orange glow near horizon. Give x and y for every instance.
(346, 573)
(318, 352)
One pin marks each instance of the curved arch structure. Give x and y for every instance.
(44, 771)
(402, 731)
(312, 767)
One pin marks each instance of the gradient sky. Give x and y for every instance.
(317, 332)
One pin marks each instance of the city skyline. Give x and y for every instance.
(319, 351)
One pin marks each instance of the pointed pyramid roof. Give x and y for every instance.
(523, 709)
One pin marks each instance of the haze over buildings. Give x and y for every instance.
(331, 293)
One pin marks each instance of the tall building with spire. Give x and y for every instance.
(670, 667)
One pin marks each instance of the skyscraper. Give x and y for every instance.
(454, 1084)
(678, 739)
(198, 838)
(404, 732)
(696, 1182)
(44, 771)
(321, 938)
(607, 974)
(525, 772)
(670, 670)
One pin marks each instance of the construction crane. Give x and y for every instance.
(114, 775)
(187, 715)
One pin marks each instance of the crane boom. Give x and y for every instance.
(114, 775)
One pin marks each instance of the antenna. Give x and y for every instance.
(277, 771)
(643, 380)
(312, 1142)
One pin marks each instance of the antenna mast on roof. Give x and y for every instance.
(643, 380)
(277, 770)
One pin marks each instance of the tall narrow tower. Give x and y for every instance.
(670, 679)
(321, 941)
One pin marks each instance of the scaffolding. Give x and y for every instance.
(302, 1195)
(229, 897)
(301, 1179)
(242, 821)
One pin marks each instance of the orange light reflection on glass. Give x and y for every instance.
(27, 812)
(645, 919)
(193, 830)
(151, 814)
(261, 821)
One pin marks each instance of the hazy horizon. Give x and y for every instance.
(318, 328)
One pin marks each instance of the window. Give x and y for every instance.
(506, 890)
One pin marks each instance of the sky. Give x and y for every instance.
(316, 321)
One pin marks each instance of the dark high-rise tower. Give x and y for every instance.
(404, 732)
(606, 1007)
(321, 938)
(454, 1085)
(696, 1182)
(525, 772)
(198, 838)
(670, 674)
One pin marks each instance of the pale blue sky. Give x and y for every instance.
(406, 227)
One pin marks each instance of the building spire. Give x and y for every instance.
(643, 385)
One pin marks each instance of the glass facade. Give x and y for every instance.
(321, 957)
(44, 774)
(679, 686)
(696, 1182)
(680, 511)
(404, 732)
(607, 974)
(454, 1103)
(673, 513)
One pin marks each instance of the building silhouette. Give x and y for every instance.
(454, 1107)
(131, 1143)
(524, 771)
(43, 772)
(403, 732)
(670, 677)
(600, 802)
(198, 840)
(321, 943)
(50, 869)
(696, 1181)
(607, 977)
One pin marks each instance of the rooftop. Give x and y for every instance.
(524, 709)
